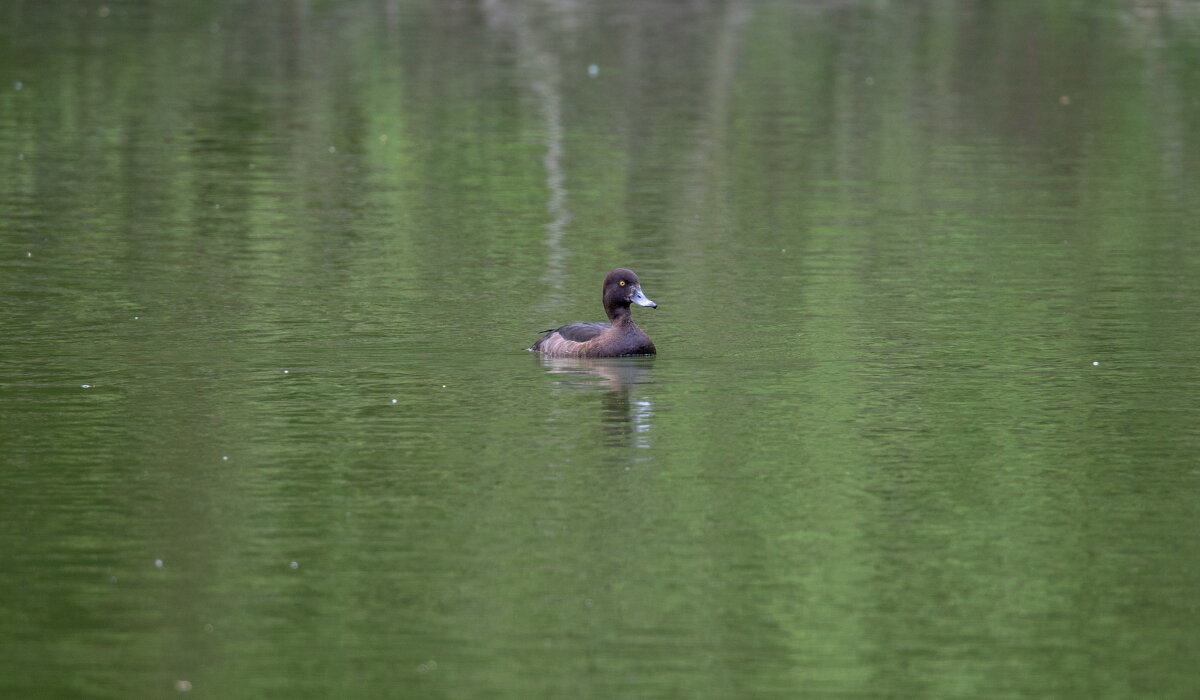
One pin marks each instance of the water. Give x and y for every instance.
(923, 421)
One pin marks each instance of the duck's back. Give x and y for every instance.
(583, 331)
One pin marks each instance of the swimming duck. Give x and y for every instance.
(618, 338)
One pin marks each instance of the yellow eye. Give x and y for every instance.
(622, 283)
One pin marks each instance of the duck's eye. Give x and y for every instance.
(622, 283)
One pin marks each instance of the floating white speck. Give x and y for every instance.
(333, 149)
(394, 400)
(183, 686)
(20, 156)
(224, 458)
(1095, 364)
(285, 371)
(443, 386)
(18, 85)
(29, 254)
(87, 386)
(593, 70)
(103, 11)
(158, 563)
(295, 565)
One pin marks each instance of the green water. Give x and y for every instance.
(924, 420)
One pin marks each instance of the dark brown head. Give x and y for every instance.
(622, 288)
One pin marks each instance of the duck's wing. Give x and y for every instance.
(582, 332)
(564, 339)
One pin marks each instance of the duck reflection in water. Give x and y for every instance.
(626, 417)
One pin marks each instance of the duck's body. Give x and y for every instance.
(618, 338)
(595, 340)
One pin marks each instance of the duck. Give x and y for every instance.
(620, 337)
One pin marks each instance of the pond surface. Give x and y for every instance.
(924, 420)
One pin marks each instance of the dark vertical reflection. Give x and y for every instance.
(541, 67)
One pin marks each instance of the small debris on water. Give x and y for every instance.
(224, 458)
(295, 565)
(29, 254)
(1095, 364)
(333, 149)
(285, 371)
(20, 156)
(394, 400)
(18, 85)
(593, 70)
(87, 386)
(1064, 100)
(158, 563)
(208, 627)
(183, 686)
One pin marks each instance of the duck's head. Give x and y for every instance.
(622, 288)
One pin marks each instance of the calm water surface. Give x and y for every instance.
(924, 420)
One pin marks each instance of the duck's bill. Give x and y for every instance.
(641, 300)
